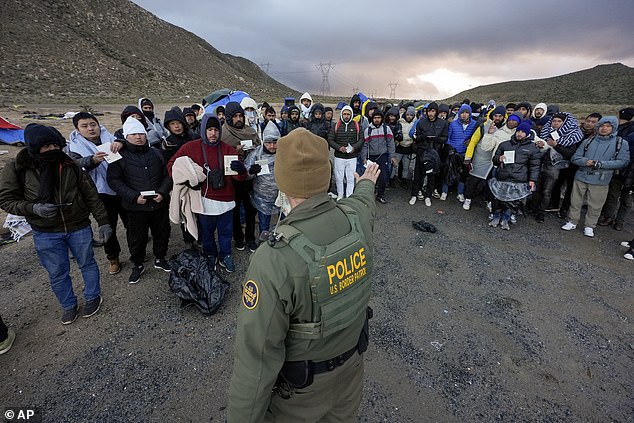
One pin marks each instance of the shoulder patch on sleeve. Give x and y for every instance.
(250, 295)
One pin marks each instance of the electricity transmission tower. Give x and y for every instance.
(265, 67)
(392, 86)
(325, 68)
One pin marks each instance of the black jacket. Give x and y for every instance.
(429, 133)
(527, 161)
(141, 169)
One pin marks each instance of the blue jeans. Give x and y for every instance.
(52, 250)
(207, 226)
(264, 221)
(445, 187)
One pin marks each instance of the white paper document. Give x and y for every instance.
(228, 170)
(349, 148)
(111, 157)
(509, 157)
(246, 144)
(264, 164)
(554, 135)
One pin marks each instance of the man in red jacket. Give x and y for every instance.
(217, 192)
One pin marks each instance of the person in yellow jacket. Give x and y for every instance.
(302, 327)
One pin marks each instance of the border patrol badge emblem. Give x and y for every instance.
(250, 295)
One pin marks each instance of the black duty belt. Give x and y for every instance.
(333, 363)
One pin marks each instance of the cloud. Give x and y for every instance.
(429, 49)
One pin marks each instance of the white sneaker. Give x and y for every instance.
(588, 231)
(420, 195)
(625, 244)
(435, 194)
(339, 198)
(412, 200)
(629, 255)
(428, 202)
(460, 198)
(467, 204)
(569, 226)
(443, 196)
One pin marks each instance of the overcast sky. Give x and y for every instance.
(431, 50)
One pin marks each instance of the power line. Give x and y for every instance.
(325, 68)
(392, 86)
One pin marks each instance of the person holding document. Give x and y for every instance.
(518, 164)
(92, 148)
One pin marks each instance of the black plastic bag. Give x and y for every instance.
(195, 282)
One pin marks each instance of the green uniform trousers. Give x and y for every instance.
(332, 397)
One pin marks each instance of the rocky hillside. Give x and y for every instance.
(603, 84)
(112, 50)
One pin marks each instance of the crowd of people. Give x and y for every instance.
(212, 172)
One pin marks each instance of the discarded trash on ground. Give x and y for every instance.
(423, 226)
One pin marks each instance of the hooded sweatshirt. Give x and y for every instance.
(345, 133)
(153, 138)
(569, 132)
(305, 111)
(173, 142)
(215, 160)
(601, 149)
(290, 124)
(153, 121)
(232, 135)
(319, 126)
(378, 140)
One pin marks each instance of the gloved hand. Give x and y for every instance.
(46, 210)
(255, 169)
(238, 166)
(105, 232)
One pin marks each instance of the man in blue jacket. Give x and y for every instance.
(597, 158)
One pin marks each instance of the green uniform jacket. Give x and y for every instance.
(19, 187)
(284, 297)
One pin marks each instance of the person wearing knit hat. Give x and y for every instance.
(192, 122)
(518, 162)
(141, 180)
(57, 198)
(301, 264)
(147, 108)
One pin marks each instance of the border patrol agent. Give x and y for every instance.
(303, 325)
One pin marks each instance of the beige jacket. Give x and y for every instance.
(186, 201)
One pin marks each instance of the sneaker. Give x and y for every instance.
(625, 244)
(420, 195)
(412, 200)
(240, 245)
(629, 255)
(428, 202)
(5, 345)
(605, 221)
(588, 231)
(162, 264)
(505, 225)
(114, 267)
(92, 306)
(137, 271)
(569, 226)
(252, 246)
(495, 221)
(460, 198)
(228, 264)
(490, 217)
(513, 219)
(618, 226)
(489, 207)
(540, 217)
(467, 204)
(381, 200)
(338, 198)
(435, 194)
(70, 315)
(332, 195)
(443, 196)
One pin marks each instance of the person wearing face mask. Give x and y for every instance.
(233, 131)
(251, 117)
(305, 105)
(147, 107)
(140, 178)
(48, 188)
(153, 137)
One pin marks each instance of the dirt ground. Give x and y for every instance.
(471, 323)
